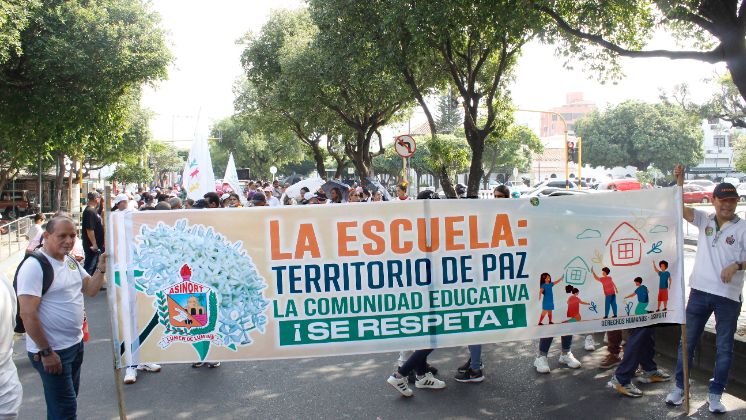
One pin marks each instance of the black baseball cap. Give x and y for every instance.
(725, 190)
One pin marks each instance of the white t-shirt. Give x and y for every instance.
(61, 308)
(716, 250)
(10, 387)
(273, 201)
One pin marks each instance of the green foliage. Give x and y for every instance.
(738, 140)
(448, 113)
(640, 134)
(129, 173)
(511, 150)
(14, 17)
(70, 87)
(447, 153)
(163, 158)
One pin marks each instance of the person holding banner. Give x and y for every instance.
(566, 357)
(54, 320)
(716, 286)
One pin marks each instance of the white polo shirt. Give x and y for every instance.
(10, 387)
(61, 308)
(717, 249)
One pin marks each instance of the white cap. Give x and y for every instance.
(308, 196)
(119, 198)
(225, 196)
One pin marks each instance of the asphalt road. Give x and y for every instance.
(355, 387)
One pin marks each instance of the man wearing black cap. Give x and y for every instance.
(93, 232)
(716, 286)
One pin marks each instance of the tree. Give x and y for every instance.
(448, 113)
(475, 44)
(713, 28)
(352, 80)
(129, 173)
(162, 158)
(512, 150)
(739, 151)
(66, 89)
(447, 156)
(14, 17)
(639, 134)
(278, 92)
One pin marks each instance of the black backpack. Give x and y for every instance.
(46, 282)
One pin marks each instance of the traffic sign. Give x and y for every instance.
(405, 145)
(273, 170)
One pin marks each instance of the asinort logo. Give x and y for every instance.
(188, 310)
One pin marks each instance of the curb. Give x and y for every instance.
(704, 357)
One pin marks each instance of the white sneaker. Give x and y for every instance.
(130, 375)
(675, 397)
(400, 384)
(149, 367)
(569, 360)
(590, 345)
(429, 381)
(541, 364)
(713, 400)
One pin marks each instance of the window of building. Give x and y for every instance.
(719, 140)
(712, 121)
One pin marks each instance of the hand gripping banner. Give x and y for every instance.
(321, 280)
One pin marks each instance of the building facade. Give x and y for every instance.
(575, 109)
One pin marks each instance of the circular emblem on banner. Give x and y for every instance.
(534, 201)
(708, 231)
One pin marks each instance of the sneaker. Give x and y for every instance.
(213, 365)
(629, 389)
(541, 364)
(654, 376)
(675, 397)
(569, 360)
(470, 376)
(130, 376)
(197, 365)
(400, 384)
(610, 361)
(590, 345)
(429, 381)
(713, 400)
(149, 367)
(466, 366)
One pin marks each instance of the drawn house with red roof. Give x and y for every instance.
(625, 245)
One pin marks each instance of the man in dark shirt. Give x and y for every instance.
(93, 232)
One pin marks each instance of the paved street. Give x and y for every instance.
(355, 387)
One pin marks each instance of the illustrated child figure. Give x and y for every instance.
(547, 304)
(610, 290)
(573, 304)
(642, 297)
(663, 285)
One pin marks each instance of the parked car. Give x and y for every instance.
(557, 183)
(624, 184)
(17, 203)
(562, 192)
(705, 183)
(696, 194)
(519, 186)
(741, 189)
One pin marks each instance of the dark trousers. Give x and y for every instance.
(417, 362)
(545, 343)
(639, 350)
(91, 260)
(614, 342)
(61, 391)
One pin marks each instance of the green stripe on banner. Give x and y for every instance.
(380, 327)
(144, 334)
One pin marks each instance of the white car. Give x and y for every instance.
(519, 186)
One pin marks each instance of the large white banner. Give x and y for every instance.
(300, 281)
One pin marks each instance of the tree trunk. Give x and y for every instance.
(318, 157)
(475, 169)
(735, 58)
(59, 177)
(445, 181)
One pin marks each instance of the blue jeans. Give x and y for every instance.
(698, 310)
(610, 303)
(545, 343)
(475, 355)
(61, 391)
(639, 350)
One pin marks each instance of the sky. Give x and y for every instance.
(202, 36)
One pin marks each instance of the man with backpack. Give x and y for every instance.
(11, 391)
(50, 286)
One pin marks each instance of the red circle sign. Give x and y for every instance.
(405, 145)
